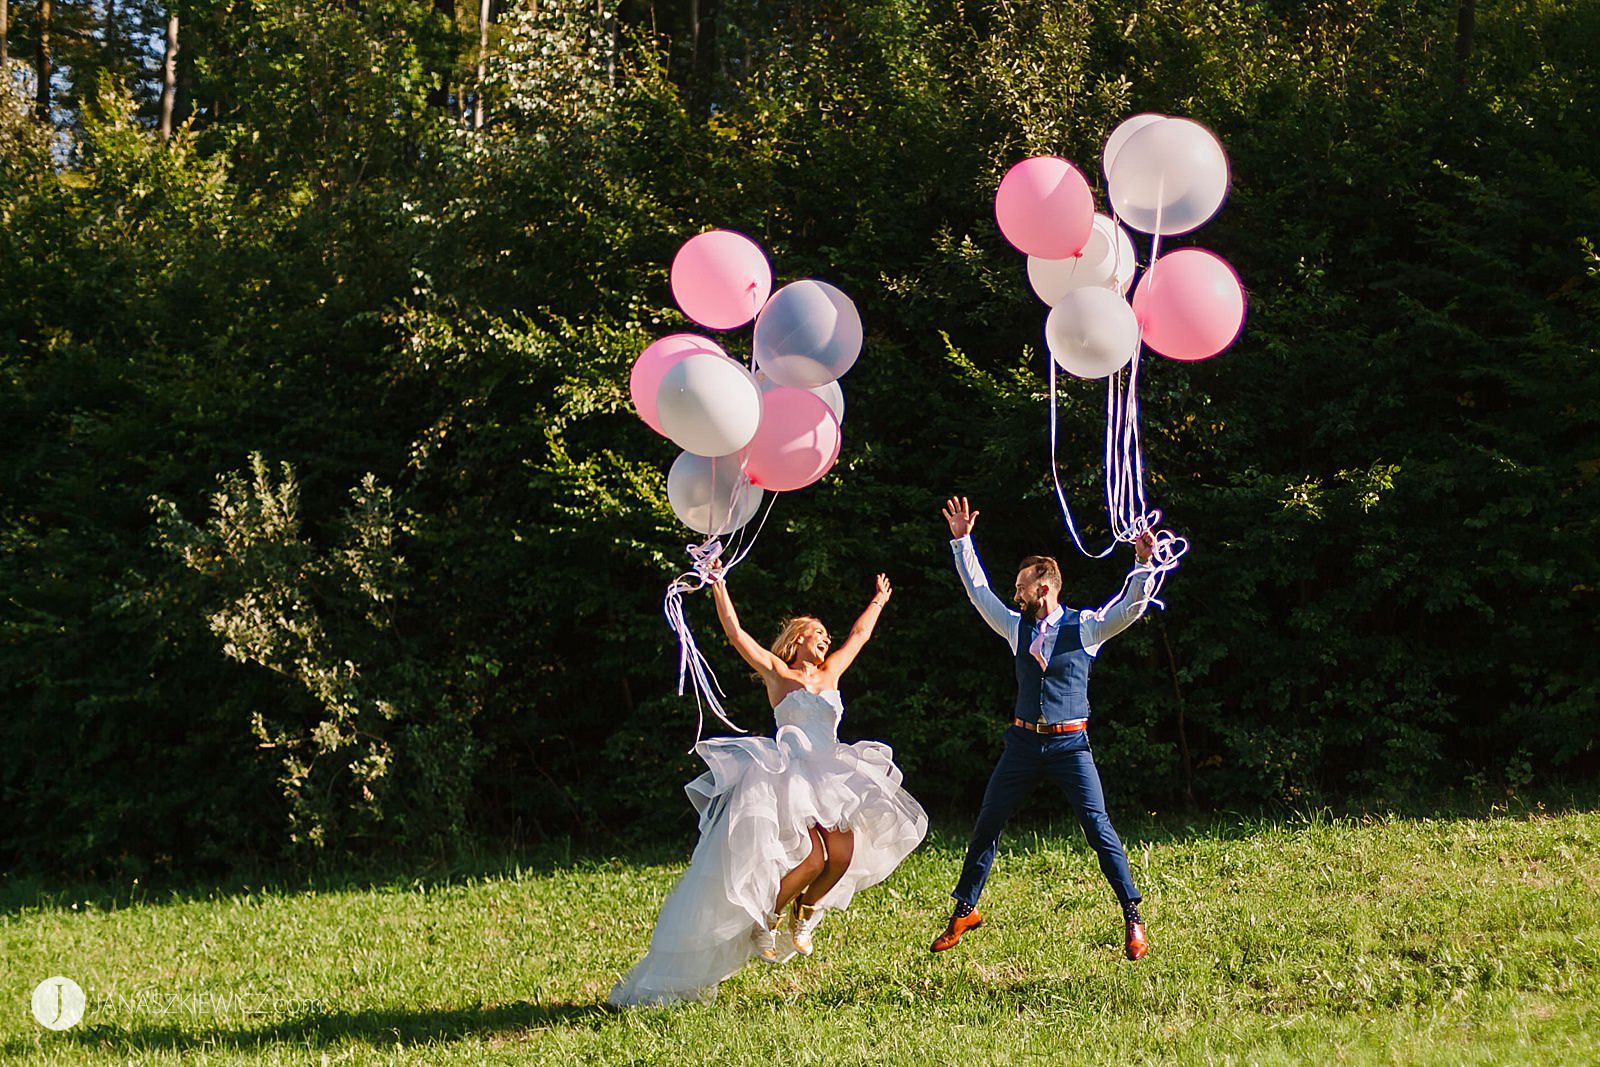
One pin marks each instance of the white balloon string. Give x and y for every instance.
(694, 671)
(1121, 472)
(1164, 555)
(1113, 468)
(1127, 507)
(711, 509)
(1113, 407)
(1129, 457)
(1136, 454)
(1125, 471)
(1055, 472)
(735, 539)
(745, 551)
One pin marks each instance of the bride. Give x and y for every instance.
(797, 820)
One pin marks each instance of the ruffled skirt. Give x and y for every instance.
(757, 801)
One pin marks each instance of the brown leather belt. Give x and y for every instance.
(1052, 728)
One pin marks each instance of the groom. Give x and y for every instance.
(1054, 648)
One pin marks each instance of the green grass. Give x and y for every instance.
(1430, 941)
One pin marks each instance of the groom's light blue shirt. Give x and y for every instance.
(1095, 626)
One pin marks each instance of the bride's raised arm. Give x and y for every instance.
(749, 649)
(861, 632)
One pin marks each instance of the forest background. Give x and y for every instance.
(326, 526)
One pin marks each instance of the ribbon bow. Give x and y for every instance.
(693, 670)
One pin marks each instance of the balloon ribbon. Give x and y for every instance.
(1127, 509)
(693, 669)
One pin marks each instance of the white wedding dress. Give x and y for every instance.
(756, 803)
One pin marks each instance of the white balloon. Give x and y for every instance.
(807, 335)
(1099, 252)
(1119, 136)
(1053, 279)
(1107, 259)
(1170, 177)
(708, 404)
(1127, 264)
(710, 494)
(832, 394)
(1092, 332)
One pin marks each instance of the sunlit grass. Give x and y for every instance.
(1307, 941)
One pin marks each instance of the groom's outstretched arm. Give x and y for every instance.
(1001, 619)
(1099, 626)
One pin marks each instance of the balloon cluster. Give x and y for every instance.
(744, 431)
(772, 426)
(1164, 176)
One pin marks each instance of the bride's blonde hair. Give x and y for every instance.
(787, 643)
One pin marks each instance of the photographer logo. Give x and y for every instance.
(58, 1003)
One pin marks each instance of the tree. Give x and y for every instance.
(42, 70)
(1390, 481)
(479, 104)
(169, 74)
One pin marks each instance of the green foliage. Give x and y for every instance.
(1389, 482)
(384, 756)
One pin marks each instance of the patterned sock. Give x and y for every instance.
(962, 910)
(1130, 911)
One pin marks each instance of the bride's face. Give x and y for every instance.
(814, 644)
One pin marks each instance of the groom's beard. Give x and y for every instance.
(1033, 607)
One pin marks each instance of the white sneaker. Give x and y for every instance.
(765, 940)
(807, 917)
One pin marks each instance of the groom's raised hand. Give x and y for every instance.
(960, 517)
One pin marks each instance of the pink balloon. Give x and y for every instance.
(720, 279)
(644, 381)
(797, 442)
(1190, 304)
(1045, 208)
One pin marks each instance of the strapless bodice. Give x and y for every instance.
(815, 714)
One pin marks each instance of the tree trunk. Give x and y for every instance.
(5, 31)
(41, 94)
(169, 76)
(1466, 22)
(113, 38)
(483, 52)
(703, 15)
(183, 95)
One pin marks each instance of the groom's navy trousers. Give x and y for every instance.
(1066, 760)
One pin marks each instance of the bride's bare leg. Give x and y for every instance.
(809, 870)
(840, 846)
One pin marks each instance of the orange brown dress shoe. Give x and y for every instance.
(959, 924)
(1138, 944)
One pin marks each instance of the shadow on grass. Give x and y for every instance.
(21, 892)
(503, 1025)
(510, 1023)
(1044, 823)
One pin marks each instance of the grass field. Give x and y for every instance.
(1314, 940)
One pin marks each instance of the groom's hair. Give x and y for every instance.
(1043, 569)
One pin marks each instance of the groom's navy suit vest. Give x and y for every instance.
(1062, 692)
